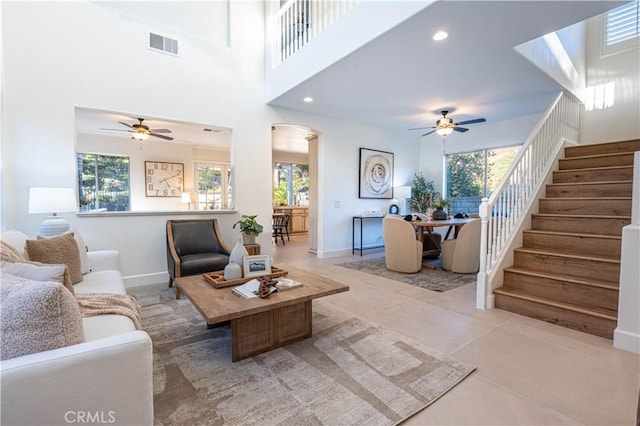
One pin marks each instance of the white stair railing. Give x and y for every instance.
(300, 21)
(509, 204)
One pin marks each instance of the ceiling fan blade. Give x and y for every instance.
(460, 129)
(428, 133)
(125, 124)
(169, 138)
(160, 131)
(422, 128)
(476, 120)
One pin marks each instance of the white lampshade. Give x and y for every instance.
(402, 192)
(52, 201)
(188, 198)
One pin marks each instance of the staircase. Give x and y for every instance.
(567, 271)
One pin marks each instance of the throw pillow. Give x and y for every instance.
(85, 266)
(36, 317)
(60, 249)
(8, 252)
(16, 239)
(38, 272)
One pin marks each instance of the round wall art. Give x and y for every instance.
(376, 174)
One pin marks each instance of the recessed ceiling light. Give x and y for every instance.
(440, 35)
(308, 99)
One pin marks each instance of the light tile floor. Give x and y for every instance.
(528, 372)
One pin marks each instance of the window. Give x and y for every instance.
(622, 27)
(214, 186)
(291, 184)
(470, 176)
(103, 182)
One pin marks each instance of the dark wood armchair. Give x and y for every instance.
(194, 246)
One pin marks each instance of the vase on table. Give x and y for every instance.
(238, 253)
(232, 271)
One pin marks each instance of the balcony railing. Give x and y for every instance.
(509, 205)
(300, 21)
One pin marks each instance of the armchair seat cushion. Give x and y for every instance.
(193, 264)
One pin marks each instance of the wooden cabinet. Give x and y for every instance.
(298, 218)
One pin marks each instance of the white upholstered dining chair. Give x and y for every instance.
(402, 250)
(462, 255)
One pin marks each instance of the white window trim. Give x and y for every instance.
(226, 177)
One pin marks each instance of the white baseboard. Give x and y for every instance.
(626, 341)
(143, 280)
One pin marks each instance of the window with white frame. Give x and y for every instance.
(213, 186)
(622, 28)
(103, 182)
(470, 176)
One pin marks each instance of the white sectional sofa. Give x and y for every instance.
(106, 379)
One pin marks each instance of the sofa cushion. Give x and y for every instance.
(60, 249)
(101, 282)
(108, 325)
(16, 239)
(85, 266)
(38, 271)
(37, 316)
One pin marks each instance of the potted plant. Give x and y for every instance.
(423, 193)
(249, 227)
(440, 204)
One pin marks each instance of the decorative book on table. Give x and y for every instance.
(249, 289)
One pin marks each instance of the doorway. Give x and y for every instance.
(294, 187)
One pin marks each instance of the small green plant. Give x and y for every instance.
(441, 203)
(248, 225)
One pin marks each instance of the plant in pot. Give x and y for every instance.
(423, 193)
(440, 204)
(249, 228)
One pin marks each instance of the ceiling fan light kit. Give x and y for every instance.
(445, 125)
(141, 132)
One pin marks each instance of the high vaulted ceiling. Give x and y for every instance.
(403, 79)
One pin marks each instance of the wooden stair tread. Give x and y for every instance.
(584, 157)
(586, 198)
(561, 254)
(580, 216)
(573, 234)
(606, 314)
(561, 277)
(601, 182)
(589, 169)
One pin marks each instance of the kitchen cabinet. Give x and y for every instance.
(298, 218)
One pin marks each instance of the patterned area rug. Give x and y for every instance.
(350, 372)
(436, 280)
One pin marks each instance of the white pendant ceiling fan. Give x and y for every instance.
(142, 132)
(445, 125)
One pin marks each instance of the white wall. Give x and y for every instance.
(100, 60)
(620, 121)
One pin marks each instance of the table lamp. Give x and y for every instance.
(52, 201)
(402, 193)
(188, 198)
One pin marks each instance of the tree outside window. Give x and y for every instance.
(470, 176)
(291, 184)
(103, 182)
(213, 183)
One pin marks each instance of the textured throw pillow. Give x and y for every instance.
(36, 317)
(61, 249)
(38, 272)
(85, 266)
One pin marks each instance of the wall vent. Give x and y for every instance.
(163, 43)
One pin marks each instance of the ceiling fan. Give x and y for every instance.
(445, 125)
(142, 132)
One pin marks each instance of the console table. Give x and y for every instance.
(360, 220)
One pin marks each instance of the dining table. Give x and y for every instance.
(423, 227)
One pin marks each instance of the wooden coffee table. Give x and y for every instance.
(259, 325)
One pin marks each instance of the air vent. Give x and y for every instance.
(162, 43)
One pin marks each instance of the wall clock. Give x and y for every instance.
(163, 179)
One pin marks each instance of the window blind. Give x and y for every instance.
(623, 23)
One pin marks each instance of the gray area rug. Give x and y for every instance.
(350, 372)
(436, 280)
